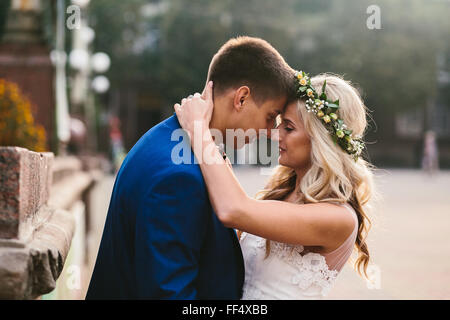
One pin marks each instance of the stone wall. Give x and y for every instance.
(37, 194)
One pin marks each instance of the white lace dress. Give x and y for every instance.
(287, 274)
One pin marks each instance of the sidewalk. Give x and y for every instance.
(409, 242)
(101, 194)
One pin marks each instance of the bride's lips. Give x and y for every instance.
(281, 149)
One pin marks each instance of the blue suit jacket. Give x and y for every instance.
(161, 238)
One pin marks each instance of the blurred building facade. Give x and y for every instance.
(25, 60)
(37, 248)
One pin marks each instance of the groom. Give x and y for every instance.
(161, 238)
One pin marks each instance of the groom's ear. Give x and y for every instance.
(241, 96)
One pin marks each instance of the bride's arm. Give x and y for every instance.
(319, 224)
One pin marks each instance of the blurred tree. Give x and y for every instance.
(173, 41)
(4, 7)
(167, 45)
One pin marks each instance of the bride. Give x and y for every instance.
(298, 235)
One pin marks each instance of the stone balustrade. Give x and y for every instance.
(37, 193)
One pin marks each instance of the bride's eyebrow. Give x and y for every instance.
(287, 121)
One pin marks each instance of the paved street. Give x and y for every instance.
(409, 243)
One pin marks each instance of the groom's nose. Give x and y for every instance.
(273, 134)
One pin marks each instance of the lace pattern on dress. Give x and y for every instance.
(312, 267)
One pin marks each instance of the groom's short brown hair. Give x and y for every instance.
(255, 63)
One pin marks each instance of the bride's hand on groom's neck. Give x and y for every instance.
(205, 90)
(195, 109)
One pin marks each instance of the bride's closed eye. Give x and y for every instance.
(287, 125)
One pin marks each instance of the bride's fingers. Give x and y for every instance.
(197, 95)
(207, 93)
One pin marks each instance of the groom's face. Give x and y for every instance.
(259, 116)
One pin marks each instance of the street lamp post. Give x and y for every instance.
(59, 58)
(85, 64)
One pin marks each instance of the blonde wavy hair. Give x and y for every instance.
(333, 175)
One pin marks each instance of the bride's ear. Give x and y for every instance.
(241, 95)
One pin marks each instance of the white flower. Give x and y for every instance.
(318, 262)
(317, 276)
(304, 279)
(307, 260)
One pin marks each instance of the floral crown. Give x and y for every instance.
(326, 110)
